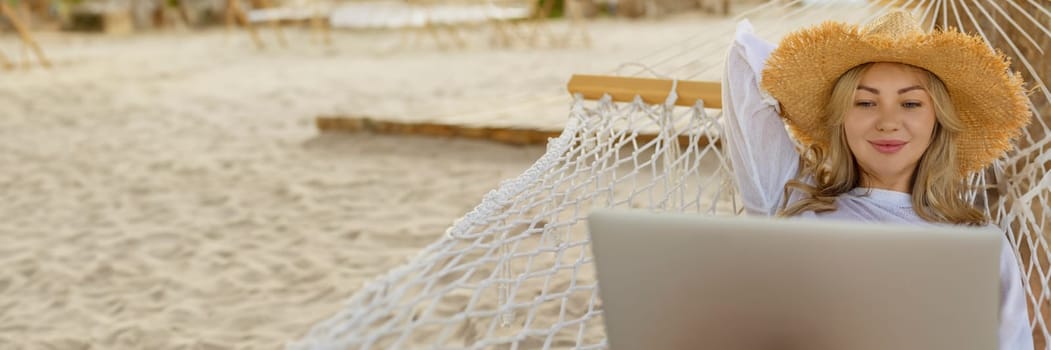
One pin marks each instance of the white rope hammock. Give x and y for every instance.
(516, 272)
(389, 15)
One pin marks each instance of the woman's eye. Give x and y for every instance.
(865, 104)
(911, 105)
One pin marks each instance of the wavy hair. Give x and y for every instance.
(938, 191)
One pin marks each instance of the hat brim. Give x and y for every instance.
(989, 100)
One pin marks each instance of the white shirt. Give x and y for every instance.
(764, 158)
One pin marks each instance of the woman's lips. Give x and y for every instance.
(888, 146)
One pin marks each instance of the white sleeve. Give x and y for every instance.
(1014, 332)
(763, 156)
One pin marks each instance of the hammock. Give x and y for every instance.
(509, 21)
(516, 272)
(284, 14)
(393, 15)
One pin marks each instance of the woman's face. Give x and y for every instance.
(889, 125)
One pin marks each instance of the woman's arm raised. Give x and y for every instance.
(764, 158)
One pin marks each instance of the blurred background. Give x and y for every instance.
(165, 185)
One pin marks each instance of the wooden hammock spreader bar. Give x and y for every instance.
(655, 91)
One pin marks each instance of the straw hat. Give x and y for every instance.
(990, 100)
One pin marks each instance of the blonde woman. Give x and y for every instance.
(884, 124)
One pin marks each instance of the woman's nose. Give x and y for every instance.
(888, 121)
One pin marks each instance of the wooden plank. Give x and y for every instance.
(512, 136)
(655, 91)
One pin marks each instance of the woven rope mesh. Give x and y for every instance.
(517, 271)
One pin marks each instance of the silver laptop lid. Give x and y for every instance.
(678, 281)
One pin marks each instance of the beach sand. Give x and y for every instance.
(169, 190)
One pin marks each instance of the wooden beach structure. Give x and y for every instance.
(22, 29)
(276, 16)
(447, 22)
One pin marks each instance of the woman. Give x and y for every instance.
(886, 123)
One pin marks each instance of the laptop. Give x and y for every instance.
(681, 281)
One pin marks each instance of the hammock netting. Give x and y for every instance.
(517, 271)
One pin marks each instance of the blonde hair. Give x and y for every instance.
(937, 189)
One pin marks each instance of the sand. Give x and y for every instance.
(168, 190)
